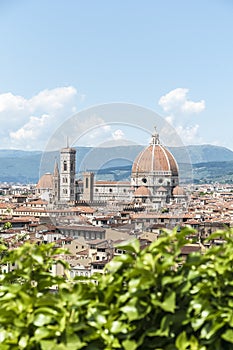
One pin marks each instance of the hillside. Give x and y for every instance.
(209, 153)
(210, 163)
(221, 172)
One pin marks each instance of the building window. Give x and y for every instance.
(71, 166)
(86, 182)
(65, 165)
(144, 180)
(110, 190)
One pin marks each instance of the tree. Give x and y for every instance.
(147, 299)
(7, 225)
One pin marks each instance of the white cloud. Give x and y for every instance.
(176, 101)
(30, 122)
(51, 100)
(189, 135)
(180, 110)
(10, 102)
(31, 130)
(118, 134)
(170, 119)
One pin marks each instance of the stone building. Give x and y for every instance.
(67, 174)
(154, 180)
(154, 174)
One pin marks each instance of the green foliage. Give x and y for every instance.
(7, 225)
(147, 299)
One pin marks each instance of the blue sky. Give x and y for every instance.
(60, 57)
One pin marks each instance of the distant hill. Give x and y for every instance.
(210, 172)
(209, 153)
(210, 163)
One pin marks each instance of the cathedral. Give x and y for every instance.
(154, 181)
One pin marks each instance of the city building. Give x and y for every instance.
(154, 181)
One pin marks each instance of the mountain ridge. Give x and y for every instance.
(25, 166)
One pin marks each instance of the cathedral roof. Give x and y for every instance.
(155, 158)
(178, 191)
(142, 191)
(162, 189)
(46, 181)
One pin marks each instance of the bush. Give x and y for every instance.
(149, 299)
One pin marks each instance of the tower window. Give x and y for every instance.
(65, 165)
(71, 166)
(86, 182)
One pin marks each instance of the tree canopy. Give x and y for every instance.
(146, 299)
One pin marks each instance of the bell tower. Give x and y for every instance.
(56, 183)
(88, 186)
(67, 174)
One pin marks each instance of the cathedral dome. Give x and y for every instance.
(178, 191)
(142, 192)
(45, 182)
(155, 159)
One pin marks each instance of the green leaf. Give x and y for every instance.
(41, 333)
(129, 344)
(41, 320)
(228, 335)
(114, 265)
(169, 303)
(48, 344)
(131, 312)
(118, 327)
(181, 341)
(23, 341)
(132, 246)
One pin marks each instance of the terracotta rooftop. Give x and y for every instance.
(155, 158)
(142, 191)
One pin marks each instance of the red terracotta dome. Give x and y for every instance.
(45, 182)
(155, 158)
(142, 191)
(178, 191)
